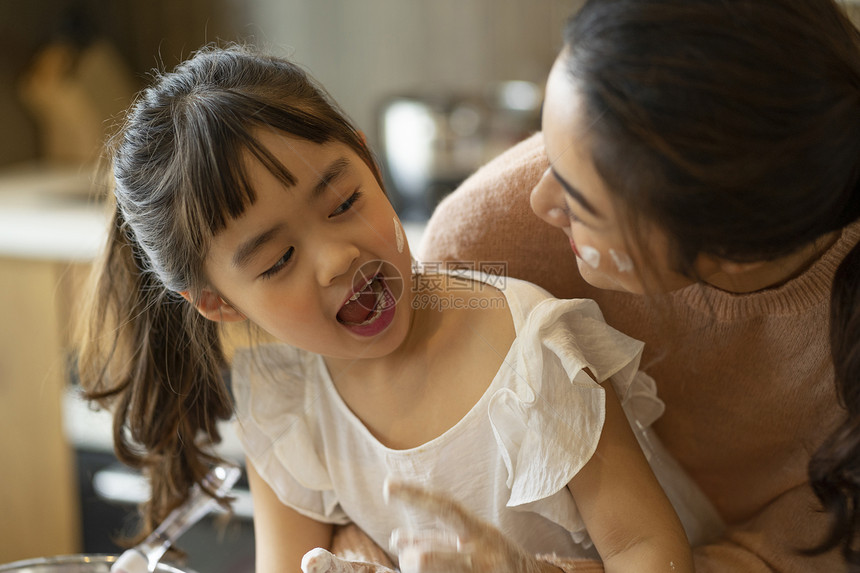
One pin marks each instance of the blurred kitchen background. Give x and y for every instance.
(438, 86)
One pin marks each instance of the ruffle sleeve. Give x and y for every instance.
(548, 421)
(273, 387)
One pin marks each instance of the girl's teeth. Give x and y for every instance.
(357, 293)
(371, 318)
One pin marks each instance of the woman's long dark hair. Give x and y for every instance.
(179, 177)
(734, 125)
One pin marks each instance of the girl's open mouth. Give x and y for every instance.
(370, 310)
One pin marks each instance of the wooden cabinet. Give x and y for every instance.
(38, 493)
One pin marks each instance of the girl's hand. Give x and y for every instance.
(321, 561)
(469, 545)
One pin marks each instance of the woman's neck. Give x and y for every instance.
(771, 274)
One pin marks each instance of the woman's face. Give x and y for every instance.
(572, 196)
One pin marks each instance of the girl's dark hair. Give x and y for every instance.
(179, 177)
(734, 126)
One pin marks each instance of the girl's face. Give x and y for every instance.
(572, 196)
(321, 265)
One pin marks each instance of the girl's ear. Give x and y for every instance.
(213, 307)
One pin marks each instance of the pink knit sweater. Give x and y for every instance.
(747, 379)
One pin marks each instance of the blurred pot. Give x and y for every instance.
(432, 141)
(75, 564)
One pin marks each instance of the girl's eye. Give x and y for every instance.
(347, 205)
(280, 264)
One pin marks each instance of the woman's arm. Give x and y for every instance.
(627, 514)
(282, 535)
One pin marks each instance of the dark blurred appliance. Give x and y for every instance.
(430, 142)
(109, 494)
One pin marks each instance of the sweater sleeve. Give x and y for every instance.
(771, 539)
(767, 542)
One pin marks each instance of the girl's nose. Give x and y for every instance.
(547, 200)
(335, 259)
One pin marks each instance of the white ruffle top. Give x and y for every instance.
(508, 460)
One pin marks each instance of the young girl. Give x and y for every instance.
(243, 194)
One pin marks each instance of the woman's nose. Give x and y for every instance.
(547, 200)
(335, 259)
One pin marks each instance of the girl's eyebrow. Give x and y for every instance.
(247, 250)
(574, 193)
(331, 174)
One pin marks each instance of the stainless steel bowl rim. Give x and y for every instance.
(78, 559)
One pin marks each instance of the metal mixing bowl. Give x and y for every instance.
(75, 564)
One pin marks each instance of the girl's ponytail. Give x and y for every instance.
(157, 364)
(835, 468)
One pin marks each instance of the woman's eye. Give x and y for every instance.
(567, 211)
(280, 264)
(346, 205)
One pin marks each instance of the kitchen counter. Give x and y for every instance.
(49, 230)
(50, 213)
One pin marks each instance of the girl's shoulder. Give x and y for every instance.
(472, 289)
(272, 366)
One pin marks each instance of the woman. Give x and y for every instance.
(704, 167)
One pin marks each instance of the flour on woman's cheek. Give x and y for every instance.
(622, 260)
(590, 256)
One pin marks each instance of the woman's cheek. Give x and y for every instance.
(590, 256)
(622, 261)
(593, 257)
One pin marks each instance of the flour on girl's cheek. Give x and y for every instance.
(622, 260)
(398, 234)
(590, 255)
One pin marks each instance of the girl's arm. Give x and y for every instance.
(627, 514)
(281, 535)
